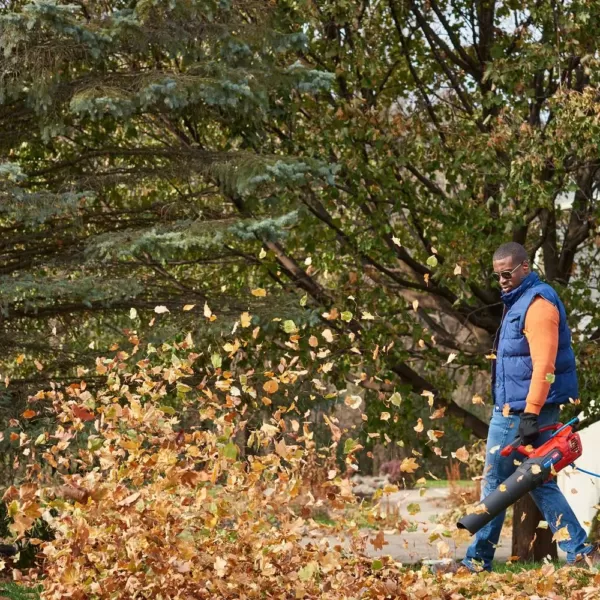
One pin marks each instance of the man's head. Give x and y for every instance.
(511, 265)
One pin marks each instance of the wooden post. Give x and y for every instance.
(525, 529)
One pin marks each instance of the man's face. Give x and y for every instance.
(518, 273)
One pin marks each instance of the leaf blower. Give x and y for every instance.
(541, 465)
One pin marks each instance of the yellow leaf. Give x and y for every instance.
(259, 292)
(20, 358)
(457, 269)
(561, 535)
(38, 365)
(415, 305)
(159, 310)
(419, 426)
(245, 319)
(451, 357)
(477, 399)
(188, 307)
(385, 416)
(409, 465)
(207, 311)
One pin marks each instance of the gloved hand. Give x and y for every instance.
(529, 428)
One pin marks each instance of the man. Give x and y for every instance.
(532, 375)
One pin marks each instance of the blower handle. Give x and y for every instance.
(516, 445)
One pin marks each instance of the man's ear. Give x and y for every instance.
(526, 266)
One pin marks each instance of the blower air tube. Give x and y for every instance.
(527, 477)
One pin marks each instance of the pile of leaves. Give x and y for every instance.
(143, 508)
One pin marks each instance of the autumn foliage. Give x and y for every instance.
(150, 510)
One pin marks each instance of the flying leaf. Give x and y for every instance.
(457, 269)
(29, 414)
(462, 454)
(346, 316)
(289, 326)
(351, 445)
(259, 292)
(245, 319)
(130, 499)
(396, 241)
(451, 357)
(367, 316)
(379, 541)
(550, 377)
(189, 307)
(535, 469)
(313, 342)
(159, 310)
(83, 414)
(207, 311)
(561, 535)
(413, 508)
(220, 566)
(396, 399)
(415, 305)
(377, 564)
(270, 386)
(477, 399)
(385, 416)
(262, 253)
(353, 401)
(327, 335)
(419, 426)
(409, 465)
(230, 451)
(432, 261)
(434, 435)
(132, 313)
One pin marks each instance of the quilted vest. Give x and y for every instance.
(513, 365)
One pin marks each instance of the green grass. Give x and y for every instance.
(443, 483)
(517, 567)
(15, 591)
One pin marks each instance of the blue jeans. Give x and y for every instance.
(548, 497)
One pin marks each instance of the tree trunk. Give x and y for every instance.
(525, 522)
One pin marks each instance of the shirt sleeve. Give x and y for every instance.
(541, 330)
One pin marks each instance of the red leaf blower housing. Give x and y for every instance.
(541, 465)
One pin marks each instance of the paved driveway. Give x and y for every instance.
(426, 541)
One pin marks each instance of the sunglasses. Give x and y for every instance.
(505, 274)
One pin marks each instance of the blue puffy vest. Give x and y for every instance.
(513, 366)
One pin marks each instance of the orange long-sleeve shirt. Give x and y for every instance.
(541, 330)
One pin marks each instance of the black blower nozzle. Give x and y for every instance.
(527, 477)
(559, 451)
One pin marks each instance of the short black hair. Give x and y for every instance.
(511, 250)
